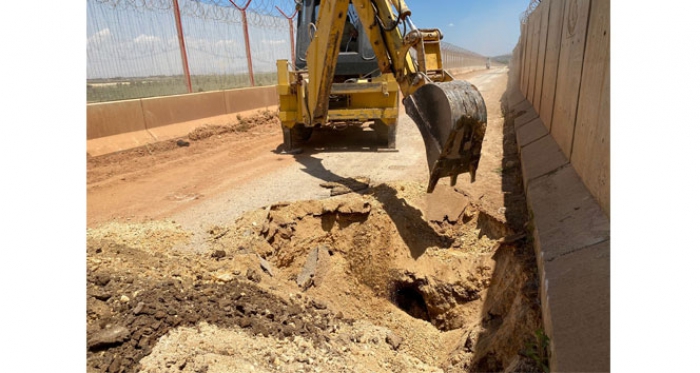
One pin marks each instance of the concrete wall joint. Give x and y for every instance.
(603, 240)
(534, 140)
(549, 173)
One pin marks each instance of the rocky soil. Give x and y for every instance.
(360, 271)
(359, 282)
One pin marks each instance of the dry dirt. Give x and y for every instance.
(373, 276)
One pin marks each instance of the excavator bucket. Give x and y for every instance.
(451, 117)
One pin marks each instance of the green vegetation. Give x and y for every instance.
(539, 350)
(100, 90)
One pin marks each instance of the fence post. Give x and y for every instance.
(247, 39)
(183, 51)
(290, 19)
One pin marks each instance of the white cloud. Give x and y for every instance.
(451, 24)
(146, 39)
(225, 43)
(99, 36)
(274, 42)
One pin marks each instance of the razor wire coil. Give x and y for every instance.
(133, 49)
(260, 12)
(524, 16)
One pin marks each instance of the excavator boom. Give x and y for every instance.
(451, 115)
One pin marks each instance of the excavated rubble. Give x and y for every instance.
(365, 281)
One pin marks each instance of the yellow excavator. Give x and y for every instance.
(353, 57)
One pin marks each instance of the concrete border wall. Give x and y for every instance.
(113, 118)
(123, 117)
(121, 125)
(559, 97)
(564, 70)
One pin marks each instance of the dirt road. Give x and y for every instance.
(214, 181)
(222, 255)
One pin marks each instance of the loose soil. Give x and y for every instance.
(201, 140)
(376, 277)
(386, 291)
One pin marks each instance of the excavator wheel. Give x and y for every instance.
(294, 137)
(386, 134)
(451, 117)
(302, 134)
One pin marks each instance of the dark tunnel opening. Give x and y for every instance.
(408, 298)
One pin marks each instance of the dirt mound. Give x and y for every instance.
(155, 236)
(244, 124)
(203, 139)
(132, 313)
(356, 282)
(440, 274)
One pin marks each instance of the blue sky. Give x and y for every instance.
(139, 42)
(488, 27)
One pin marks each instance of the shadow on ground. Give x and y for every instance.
(511, 314)
(351, 139)
(415, 232)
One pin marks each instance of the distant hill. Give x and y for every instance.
(504, 58)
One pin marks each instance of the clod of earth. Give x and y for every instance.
(347, 185)
(265, 265)
(107, 337)
(361, 282)
(394, 340)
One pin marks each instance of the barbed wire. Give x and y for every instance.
(259, 13)
(262, 13)
(261, 7)
(138, 38)
(138, 4)
(530, 8)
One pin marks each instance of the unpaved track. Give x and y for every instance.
(193, 276)
(215, 184)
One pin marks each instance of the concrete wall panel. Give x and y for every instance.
(551, 61)
(113, 118)
(577, 310)
(591, 149)
(161, 111)
(541, 49)
(526, 57)
(569, 75)
(116, 143)
(535, 18)
(250, 98)
(118, 117)
(566, 176)
(530, 50)
(514, 67)
(521, 55)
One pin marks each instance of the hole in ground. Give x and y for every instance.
(408, 298)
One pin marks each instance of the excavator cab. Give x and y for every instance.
(356, 56)
(352, 59)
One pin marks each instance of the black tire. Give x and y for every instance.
(386, 134)
(293, 137)
(301, 134)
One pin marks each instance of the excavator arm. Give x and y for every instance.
(450, 114)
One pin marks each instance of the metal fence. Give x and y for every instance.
(145, 48)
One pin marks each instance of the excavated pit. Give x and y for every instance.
(394, 264)
(330, 279)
